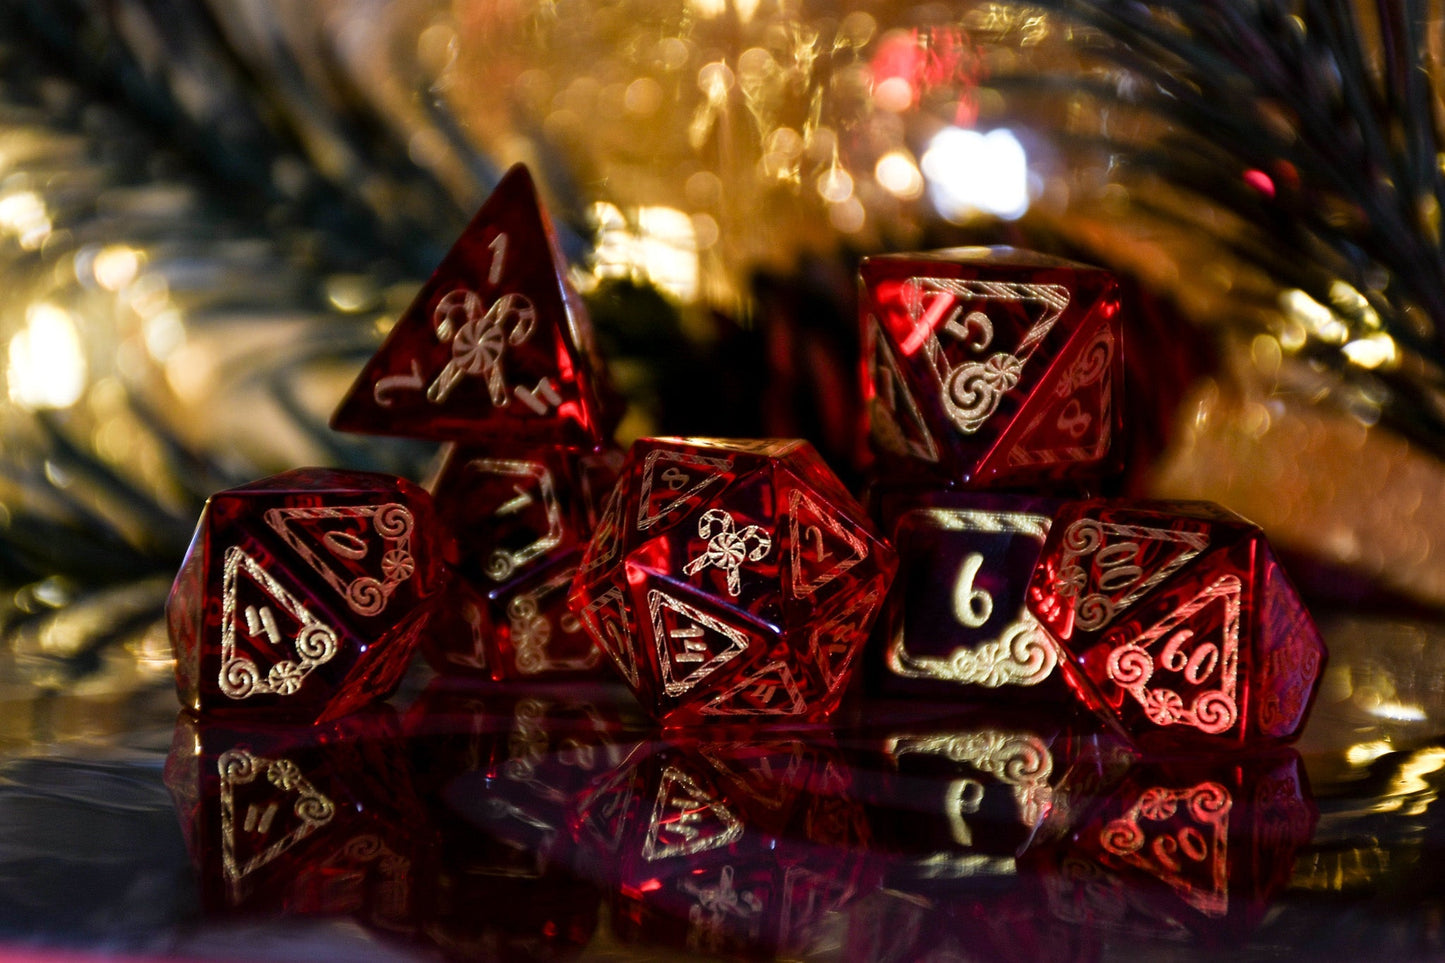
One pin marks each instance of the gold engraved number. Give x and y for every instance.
(1197, 666)
(971, 606)
(675, 479)
(259, 821)
(498, 247)
(344, 545)
(1118, 570)
(263, 620)
(693, 648)
(513, 505)
(1188, 840)
(965, 798)
(381, 391)
(814, 534)
(1073, 419)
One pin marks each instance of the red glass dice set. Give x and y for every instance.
(738, 581)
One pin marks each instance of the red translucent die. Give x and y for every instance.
(302, 596)
(316, 821)
(518, 523)
(992, 367)
(956, 623)
(732, 580)
(495, 347)
(725, 848)
(1195, 848)
(1177, 624)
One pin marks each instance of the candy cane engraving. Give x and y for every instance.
(727, 546)
(480, 341)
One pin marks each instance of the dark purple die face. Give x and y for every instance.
(956, 624)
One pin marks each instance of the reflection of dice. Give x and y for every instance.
(497, 768)
(992, 367)
(302, 595)
(956, 621)
(963, 801)
(1177, 623)
(519, 521)
(725, 848)
(302, 821)
(731, 580)
(1197, 846)
(496, 346)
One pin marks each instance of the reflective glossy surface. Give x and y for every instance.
(732, 580)
(514, 822)
(302, 595)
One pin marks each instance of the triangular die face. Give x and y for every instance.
(673, 483)
(1072, 421)
(270, 642)
(485, 351)
(686, 820)
(772, 690)
(606, 811)
(835, 640)
(267, 807)
(519, 501)
(976, 339)
(895, 420)
(606, 620)
(823, 547)
(1180, 837)
(364, 552)
(766, 773)
(1289, 656)
(1183, 670)
(691, 644)
(1107, 564)
(606, 539)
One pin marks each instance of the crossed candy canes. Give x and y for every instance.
(727, 547)
(480, 341)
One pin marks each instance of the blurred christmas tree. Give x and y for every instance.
(211, 212)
